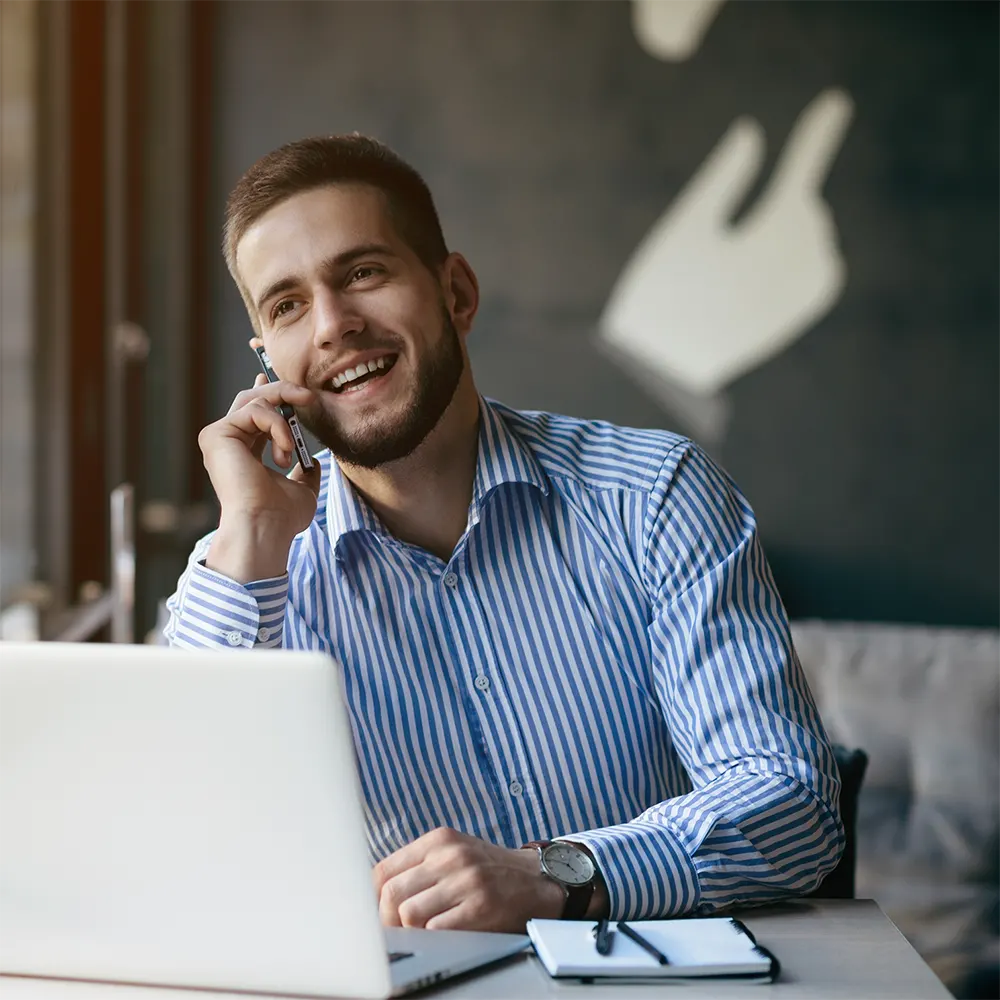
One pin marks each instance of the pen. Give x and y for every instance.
(643, 943)
(603, 939)
(305, 459)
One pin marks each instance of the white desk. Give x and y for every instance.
(828, 949)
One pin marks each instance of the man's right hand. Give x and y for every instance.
(262, 510)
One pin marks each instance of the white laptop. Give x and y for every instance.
(195, 820)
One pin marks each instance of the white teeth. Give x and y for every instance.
(354, 373)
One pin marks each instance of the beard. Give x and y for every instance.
(377, 440)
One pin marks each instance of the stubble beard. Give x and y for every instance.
(375, 441)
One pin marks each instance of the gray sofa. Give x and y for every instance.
(924, 703)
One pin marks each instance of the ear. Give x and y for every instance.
(461, 291)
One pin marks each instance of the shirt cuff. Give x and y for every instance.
(215, 612)
(647, 872)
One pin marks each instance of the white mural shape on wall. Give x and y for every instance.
(702, 301)
(672, 29)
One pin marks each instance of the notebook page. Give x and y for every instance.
(695, 947)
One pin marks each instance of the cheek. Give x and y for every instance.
(287, 363)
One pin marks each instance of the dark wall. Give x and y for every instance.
(553, 141)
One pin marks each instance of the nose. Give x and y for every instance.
(334, 318)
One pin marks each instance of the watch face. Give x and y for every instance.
(567, 864)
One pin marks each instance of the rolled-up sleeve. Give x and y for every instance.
(762, 819)
(211, 611)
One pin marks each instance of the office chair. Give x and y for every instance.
(839, 884)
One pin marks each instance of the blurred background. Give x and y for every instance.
(772, 226)
(555, 137)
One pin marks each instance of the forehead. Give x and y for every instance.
(313, 226)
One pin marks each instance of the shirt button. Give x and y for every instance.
(516, 788)
(234, 638)
(482, 682)
(450, 580)
(263, 633)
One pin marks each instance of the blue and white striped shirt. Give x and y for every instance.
(603, 658)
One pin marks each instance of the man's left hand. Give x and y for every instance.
(447, 880)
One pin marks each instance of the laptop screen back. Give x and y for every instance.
(184, 819)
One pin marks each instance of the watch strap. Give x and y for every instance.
(578, 897)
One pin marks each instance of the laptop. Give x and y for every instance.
(194, 819)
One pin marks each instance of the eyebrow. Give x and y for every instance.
(334, 263)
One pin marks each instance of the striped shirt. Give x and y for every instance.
(604, 658)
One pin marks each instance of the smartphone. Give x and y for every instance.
(305, 459)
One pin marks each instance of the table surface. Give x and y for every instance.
(828, 949)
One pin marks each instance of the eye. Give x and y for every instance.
(365, 271)
(283, 308)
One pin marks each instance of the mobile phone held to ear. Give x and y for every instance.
(305, 459)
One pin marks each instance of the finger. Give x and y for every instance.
(482, 897)
(399, 891)
(470, 915)
(812, 145)
(282, 458)
(721, 183)
(259, 422)
(259, 446)
(432, 902)
(440, 839)
(256, 342)
(273, 393)
(310, 477)
(463, 916)
(398, 862)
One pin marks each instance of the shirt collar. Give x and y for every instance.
(503, 458)
(345, 510)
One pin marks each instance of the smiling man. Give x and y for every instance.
(569, 673)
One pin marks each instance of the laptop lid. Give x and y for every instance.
(183, 818)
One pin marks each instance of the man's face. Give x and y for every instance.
(337, 292)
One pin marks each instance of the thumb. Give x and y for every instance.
(310, 477)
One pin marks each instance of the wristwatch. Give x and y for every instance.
(572, 869)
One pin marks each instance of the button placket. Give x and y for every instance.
(488, 707)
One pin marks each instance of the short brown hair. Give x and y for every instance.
(321, 160)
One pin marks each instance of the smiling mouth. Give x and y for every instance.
(353, 378)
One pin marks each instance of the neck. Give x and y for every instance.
(424, 499)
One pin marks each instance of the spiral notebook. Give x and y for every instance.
(720, 947)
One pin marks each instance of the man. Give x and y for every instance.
(549, 628)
